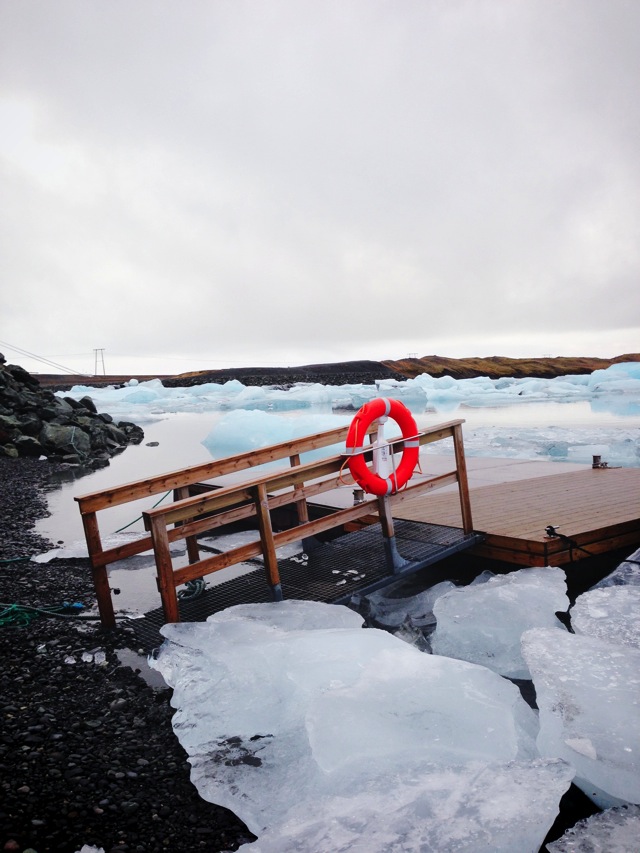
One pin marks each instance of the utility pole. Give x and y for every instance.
(98, 357)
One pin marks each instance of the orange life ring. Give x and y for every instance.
(362, 474)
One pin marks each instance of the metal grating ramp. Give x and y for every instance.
(330, 572)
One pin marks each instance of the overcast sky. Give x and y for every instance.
(236, 182)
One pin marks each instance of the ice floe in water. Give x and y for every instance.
(483, 623)
(612, 831)
(617, 386)
(324, 736)
(588, 693)
(627, 573)
(609, 613)
(247, 417)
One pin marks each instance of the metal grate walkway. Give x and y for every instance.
(331, 572)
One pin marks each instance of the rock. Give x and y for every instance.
(34, 423)
(27, 445)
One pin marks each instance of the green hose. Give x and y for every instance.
(19, 615)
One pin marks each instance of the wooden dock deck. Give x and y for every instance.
(595, 511)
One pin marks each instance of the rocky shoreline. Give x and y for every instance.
(87, 752)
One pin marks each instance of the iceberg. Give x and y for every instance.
(611, 831)
(588, 692)
(240, 431)
(317, 732)
(483, 623)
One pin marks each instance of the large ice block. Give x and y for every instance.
(588, 692)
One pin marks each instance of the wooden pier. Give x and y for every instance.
(595, 510)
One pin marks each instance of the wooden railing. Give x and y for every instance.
(194, 514)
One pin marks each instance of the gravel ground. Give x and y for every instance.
(87, 752)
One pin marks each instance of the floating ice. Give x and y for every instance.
(240, 431)
(617, 380)
(294, 709)
(610, 613)
(588, 692)
(611, 831)
(483, 623)
(390, 608)
(627, 573)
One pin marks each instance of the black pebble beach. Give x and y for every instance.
(87, 752)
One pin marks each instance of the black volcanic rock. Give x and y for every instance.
(34, 422)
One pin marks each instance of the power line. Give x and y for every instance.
(40, 358)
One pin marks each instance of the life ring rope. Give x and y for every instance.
(371, 482)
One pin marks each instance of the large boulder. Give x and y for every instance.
(34, 422)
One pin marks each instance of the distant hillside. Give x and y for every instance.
(366, 372)
(496, 366)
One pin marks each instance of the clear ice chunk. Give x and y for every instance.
(483, 623)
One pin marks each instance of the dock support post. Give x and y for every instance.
(302, 507)
(394, 560)
(100, 575)
(164, 565)
(266, 538)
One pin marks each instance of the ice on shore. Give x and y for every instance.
(78, 550)
(302, 722)
(483, 623)
(612, 831)
(588, 693)
(466, 809)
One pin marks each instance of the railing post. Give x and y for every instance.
(167, 588)
(100, 575)
(463, 480)
(266, 538)
(301, 505)
(192, 543)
